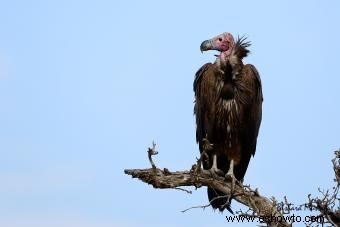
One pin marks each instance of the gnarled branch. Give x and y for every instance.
(260, 205)
(329, 203)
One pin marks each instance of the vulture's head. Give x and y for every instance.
(223, 43)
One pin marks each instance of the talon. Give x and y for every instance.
(215, 171)
(229, 177)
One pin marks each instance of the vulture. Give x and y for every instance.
(228, 110)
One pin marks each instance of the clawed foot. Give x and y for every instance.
(215, 171)
(230, 177)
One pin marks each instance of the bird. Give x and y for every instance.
(228, 111)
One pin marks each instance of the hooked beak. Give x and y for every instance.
(206, 45)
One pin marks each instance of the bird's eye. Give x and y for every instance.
(220, 39)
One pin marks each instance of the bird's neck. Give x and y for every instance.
(222, 60)
(229, 61)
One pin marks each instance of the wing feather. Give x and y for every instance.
(205, 95)
(253, 114)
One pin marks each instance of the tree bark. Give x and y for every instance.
(261, 206)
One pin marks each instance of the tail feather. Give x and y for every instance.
(220, 203)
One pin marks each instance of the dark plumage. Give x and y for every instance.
(228, 108)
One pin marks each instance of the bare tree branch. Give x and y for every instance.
(260, 205)
(152, 151)
(329, 204)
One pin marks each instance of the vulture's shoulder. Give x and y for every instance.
(253, 77)
(252, 73)
(204, 70)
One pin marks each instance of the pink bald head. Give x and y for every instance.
(223, 43)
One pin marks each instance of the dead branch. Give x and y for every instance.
(260, 205)
(248, 197)
(152, 151)
(329, 204)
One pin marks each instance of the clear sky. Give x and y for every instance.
(85, 86)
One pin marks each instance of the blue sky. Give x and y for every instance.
(85, 87)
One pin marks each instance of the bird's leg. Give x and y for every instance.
(231, 169)
(230, 176)
(214, 170)
(209, 147)
(214, 165)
